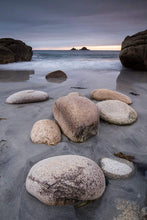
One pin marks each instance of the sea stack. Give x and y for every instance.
(134, 51)
(84, 48)
(73, 48)
(14, 51)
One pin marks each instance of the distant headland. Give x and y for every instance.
(83, 48)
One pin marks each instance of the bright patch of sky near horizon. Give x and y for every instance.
(61, 24)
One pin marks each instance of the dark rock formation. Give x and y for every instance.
(73, 48)
(57, 76)
(134, 51)
(14, 51)
(84, 48)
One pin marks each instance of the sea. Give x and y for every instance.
(45, 61)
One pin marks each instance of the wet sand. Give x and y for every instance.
(18, 153)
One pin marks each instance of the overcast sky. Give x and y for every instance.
(67, 23)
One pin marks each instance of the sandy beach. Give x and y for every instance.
(18, 154)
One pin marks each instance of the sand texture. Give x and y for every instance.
(18, 154)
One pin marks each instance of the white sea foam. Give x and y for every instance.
(64, 64)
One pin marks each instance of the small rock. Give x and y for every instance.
(27, 96)
(116, 168)
(56, 76)
(117, 112)
(107, 94)
(45, 132)
(65, 179)
(77, 116)
(143, 213)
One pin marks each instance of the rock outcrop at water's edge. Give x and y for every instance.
(134, 51)
(14, 51)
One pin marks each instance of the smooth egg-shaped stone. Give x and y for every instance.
(46, 132)
(27, 96)
(57, 76)
(107, 94)
(65, 179)
(117, 112)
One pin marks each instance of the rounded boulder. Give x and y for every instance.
(27, 96)
(107, 94)
(77, 117)
(45, 132)
(57, 76)
(117, 112)
(65, 179)
(116, 168)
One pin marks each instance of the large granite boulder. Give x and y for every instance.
(62, 180)
(14, 51)
(77, 117)
(134, 51)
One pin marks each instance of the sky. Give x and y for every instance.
(63, 24)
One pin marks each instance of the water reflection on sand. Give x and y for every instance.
(15, 75)
(130, 80)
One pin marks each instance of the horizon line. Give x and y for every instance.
(108, 47)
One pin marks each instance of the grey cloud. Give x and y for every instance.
(66, 22)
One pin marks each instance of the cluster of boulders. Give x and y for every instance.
(67, 179)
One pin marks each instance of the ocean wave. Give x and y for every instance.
(64, 64)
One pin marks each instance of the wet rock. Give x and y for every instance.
(45, 132)
(27, 96)
(77, 117)
(56, 76)
(14, 51)
(134, 51)
(65, 179)
(107, 94)
(116, 168)
(143, 213)
(117, 112)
